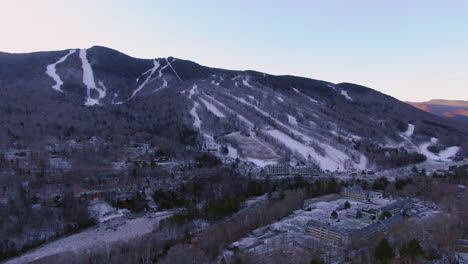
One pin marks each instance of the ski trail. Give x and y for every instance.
(88, 80)
(212, 108)
(193, 112)
(170, 65)
(151, 72)
(197, 121)
(239, 116)
(334, 154)
(52, 72)
(193, 91)
(306, 96)
(409, 132)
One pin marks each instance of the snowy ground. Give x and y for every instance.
(443, 155)
(255, 149)
(92, 237)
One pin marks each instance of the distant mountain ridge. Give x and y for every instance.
(448, 108)
(180, 105)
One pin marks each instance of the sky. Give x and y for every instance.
(414, 50)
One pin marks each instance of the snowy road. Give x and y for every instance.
(91, 238)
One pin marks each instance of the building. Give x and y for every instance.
(210, 146)
(305, 170)
(328, 233)
(277, 170)
(355, 192)
(336, 235)
(399, 207)
(375, 195)
(286, 170)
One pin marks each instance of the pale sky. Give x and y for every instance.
(410, 49)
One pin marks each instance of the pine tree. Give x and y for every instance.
(334, 215)
(384, 251)
(347, 205)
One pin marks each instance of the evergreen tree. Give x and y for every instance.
(347, 205)
(384, 251)
(413, 249)
(334, 214)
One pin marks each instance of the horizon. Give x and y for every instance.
(414, 52)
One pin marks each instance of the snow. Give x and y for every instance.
(232, 152)
(193, 91)
(449, 152)
(335, 158)
(324, 162)
(261, 162)
(52, 72)
(193, 112)
(280, 99)
(213, 109)
(363, 161)
(345, 94)
(93, 237)
(239, 116)
(409, 132)
(170, 65)
(442, 155)
(292, 120)
(151, 72)
(251, 97)
(88, 80)
(306, 96)
(102, 211)
(246, 83)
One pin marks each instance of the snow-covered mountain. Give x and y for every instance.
(179, 104)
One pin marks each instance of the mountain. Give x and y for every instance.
(447, 108)
(182, 107)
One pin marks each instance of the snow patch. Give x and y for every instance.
(52, 72)
(260, 162)
(193, 91)
(292, 120)
(102, 211)
(280, 99)
(306, 96)
(246, 83)
(449, 152)
(409, 132)
(346, 95)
